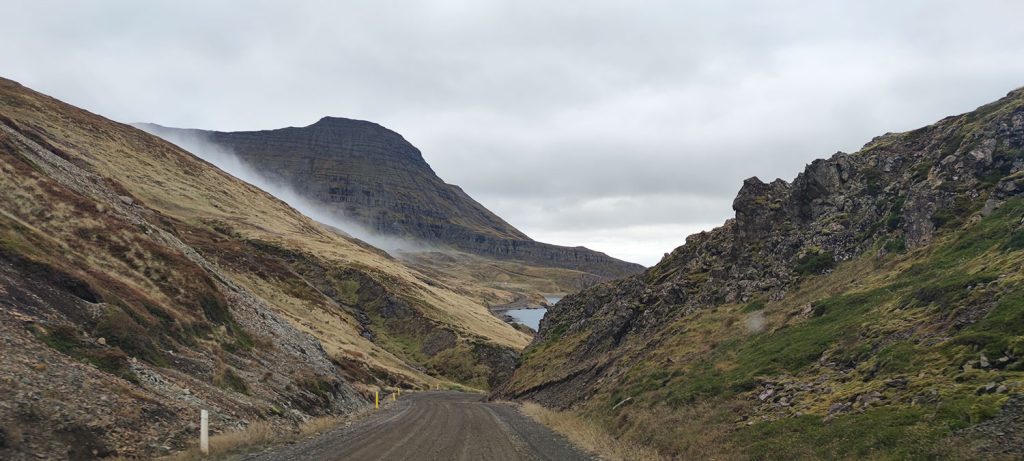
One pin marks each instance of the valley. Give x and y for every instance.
(529, 317)
(871, 308)
(163, 285)
(511, 230)
(528, 314)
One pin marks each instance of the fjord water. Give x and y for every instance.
(528, 317)
(531, 317)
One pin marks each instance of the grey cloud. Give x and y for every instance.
(573, 119)
(610, 213)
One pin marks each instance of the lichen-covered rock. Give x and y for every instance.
(655, 337)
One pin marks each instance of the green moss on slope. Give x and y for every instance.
(913, 319)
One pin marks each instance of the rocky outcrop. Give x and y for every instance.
(917, 198)
(373, 176)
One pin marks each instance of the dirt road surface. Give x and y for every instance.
(435, 426)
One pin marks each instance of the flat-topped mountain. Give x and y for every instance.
(373, 176)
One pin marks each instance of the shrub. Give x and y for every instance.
(121, 330)
(753, 306)
(69, 341)
(946, 292)
(954, 214)
(228, 379)
(1016, 241)
(815, 263)
(896, 245)
(895, 217)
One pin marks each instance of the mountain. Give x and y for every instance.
(872, 308)
(140, 284)
(374, 177)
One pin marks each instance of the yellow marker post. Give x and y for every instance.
(376, 399)
(399, 391)
(393, 396)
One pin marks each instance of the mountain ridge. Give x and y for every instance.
(373, 176)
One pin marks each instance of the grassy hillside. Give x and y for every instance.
(158, 285)
(499, 282)
(874, 308)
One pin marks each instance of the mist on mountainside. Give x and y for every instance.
(223, 158)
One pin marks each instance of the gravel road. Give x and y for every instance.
(435, 426)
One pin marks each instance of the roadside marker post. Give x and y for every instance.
(393, 398)
(204, 432)
(376, 400)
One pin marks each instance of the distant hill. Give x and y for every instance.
(871, 309)
(376, 178)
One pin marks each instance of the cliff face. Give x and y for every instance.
(371, 174)
(139, 284)
(866, 293)
(378, 179)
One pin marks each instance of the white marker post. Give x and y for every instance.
(204, 432)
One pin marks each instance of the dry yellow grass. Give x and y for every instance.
(589, 436)
(261, 434)
(255, 435)
(496, 282)
(319, 425)
(161, 177)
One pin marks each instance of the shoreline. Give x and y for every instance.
(522, 302)
(505, 308)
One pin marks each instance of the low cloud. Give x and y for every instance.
(223, 158)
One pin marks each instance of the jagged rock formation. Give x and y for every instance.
(868, 292)
(139, 284)
(375, 177)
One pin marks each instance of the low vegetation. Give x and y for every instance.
(70, 341)
(143, 274)
(262, 434)
(895, 352)
(846, 345)
(815, 263)
(587, 435)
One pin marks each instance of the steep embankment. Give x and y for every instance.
(873, 307)
(139, 284)
(376, 178)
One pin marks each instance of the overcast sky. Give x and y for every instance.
(623, 126)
